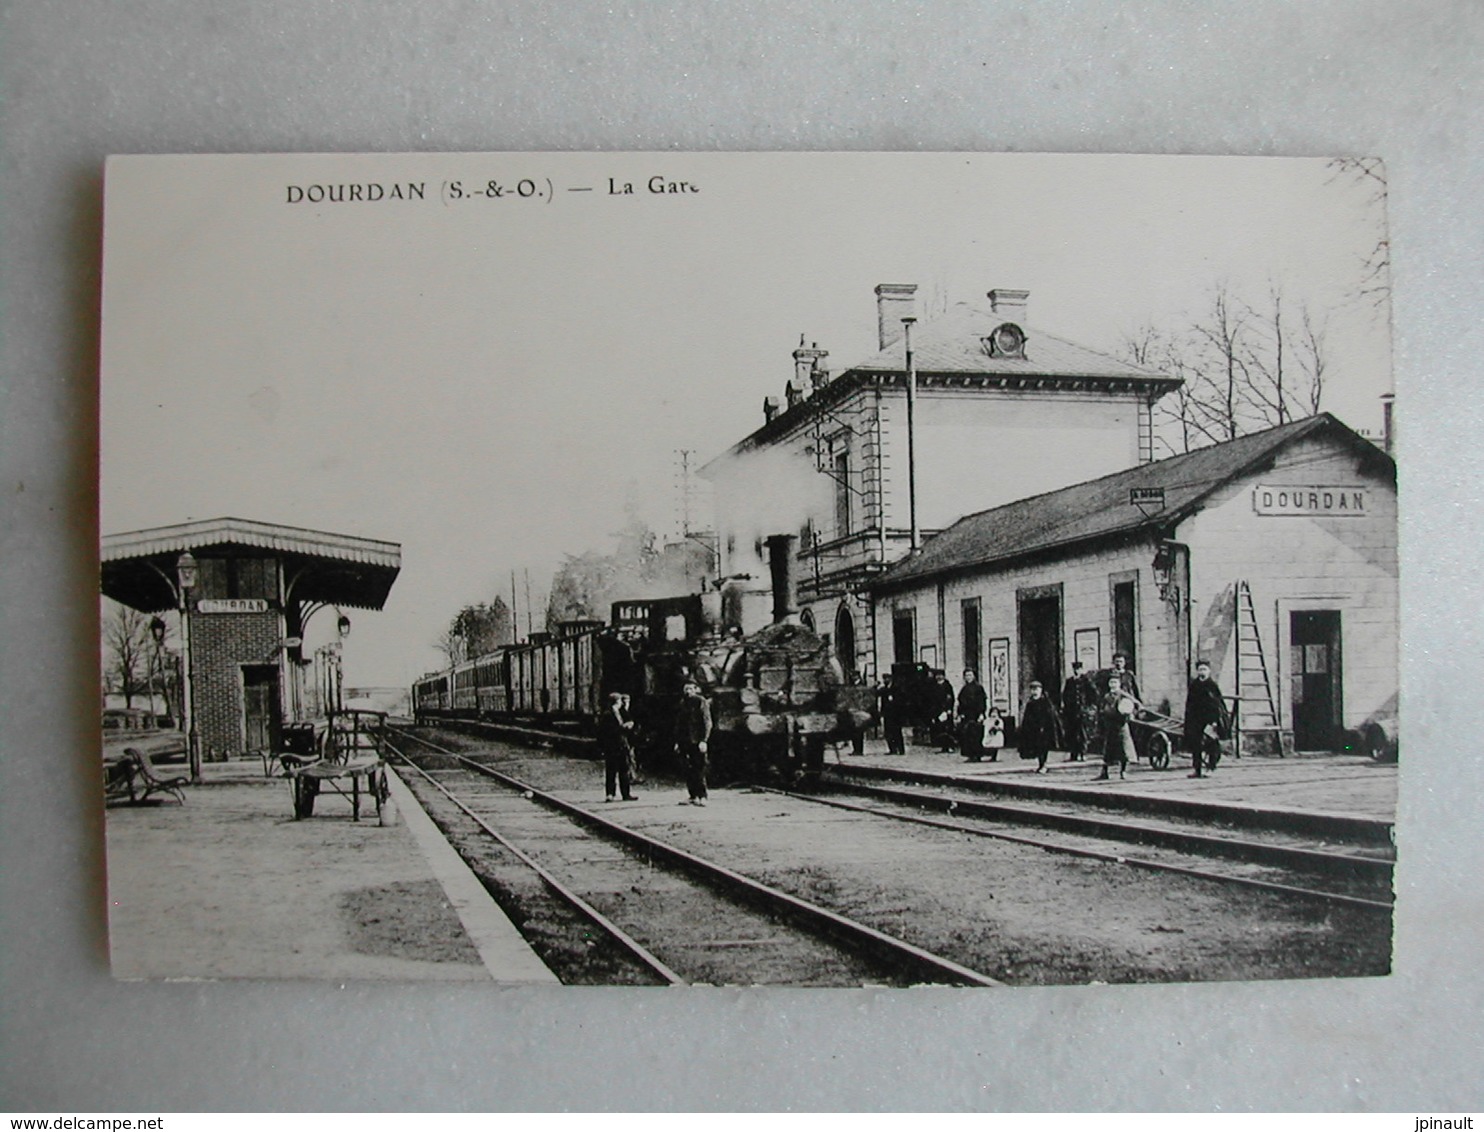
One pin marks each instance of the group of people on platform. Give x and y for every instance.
(1095, 715)
(617, 732)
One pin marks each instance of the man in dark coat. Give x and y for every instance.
(615, 741)
(887, 699)
(940, 697)
(1040, 729)
(1127, 681)
(692, 732)
(1207, 720)
(1079, 712)
(972, 706)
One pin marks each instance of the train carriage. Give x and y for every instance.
(777, 697)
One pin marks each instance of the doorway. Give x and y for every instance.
(1040, 638)
(904, 636)
(1315, 679)
(1126, 621)
(845, 643)
(262, 713)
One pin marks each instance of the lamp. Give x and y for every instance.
(185, 570)
(186, 575)
(157, 631)
(1164, 572)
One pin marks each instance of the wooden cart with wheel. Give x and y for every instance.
(350, 763)
(1157, 736)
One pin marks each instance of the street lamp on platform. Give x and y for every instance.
(186, 575)
(342, 628)
(157, 631)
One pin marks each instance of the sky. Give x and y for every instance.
(493, 380)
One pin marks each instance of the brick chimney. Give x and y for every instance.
(894, 302)
(1010, 304)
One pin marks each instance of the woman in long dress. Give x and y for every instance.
(1114, 714)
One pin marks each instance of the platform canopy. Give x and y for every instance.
(318, 566)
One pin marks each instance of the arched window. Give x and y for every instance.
(806, 619)
(845, 640)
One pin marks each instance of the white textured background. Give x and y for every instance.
(85, 78)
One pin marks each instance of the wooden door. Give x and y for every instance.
(1040, 638)
(1315, 679)
(261, 712)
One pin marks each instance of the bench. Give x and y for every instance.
(133, 776)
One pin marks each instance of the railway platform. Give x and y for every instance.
(1346, 795)
(229, 885)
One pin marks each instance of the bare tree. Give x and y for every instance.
(1220, 341)
(1312, 360)
(1267, 393)
(1175, 419)
(1242, 368)
(1209, 358)
(1369, 173)
(1286, 360)
(451, 644)
(127, 652)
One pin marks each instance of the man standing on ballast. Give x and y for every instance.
(692, 732)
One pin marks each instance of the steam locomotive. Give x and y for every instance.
(778, 696)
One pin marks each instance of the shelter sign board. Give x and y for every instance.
(232, 605)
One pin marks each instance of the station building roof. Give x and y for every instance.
(1099, 509)
(952, 352)
(953, 343)
(322, 566)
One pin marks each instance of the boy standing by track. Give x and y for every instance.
(614, 730)
(692, 731)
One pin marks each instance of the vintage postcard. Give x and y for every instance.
(750, 569)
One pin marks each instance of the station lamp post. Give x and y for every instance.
(157, 631)
(342, 628)
(185, 575)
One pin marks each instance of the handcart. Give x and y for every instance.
(350, 762)
(1156, 736)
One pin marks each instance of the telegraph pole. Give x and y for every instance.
(911, 433)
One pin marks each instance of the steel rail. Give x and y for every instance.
(732, 883)
(1373, 869)
(1099, 855)
(1358, 867)
(1349, 828)
(633, 946)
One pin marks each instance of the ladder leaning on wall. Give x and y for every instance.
(1257, 710)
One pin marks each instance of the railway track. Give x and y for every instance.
(1366, 874)
(651, 912)
(1359, 876)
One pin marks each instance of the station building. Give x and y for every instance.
(1274, 556)
(244, 592)
(1029, 411)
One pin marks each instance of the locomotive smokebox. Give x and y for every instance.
(785, 585)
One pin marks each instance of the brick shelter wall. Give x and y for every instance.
(220, 644)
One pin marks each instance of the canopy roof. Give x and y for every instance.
(319, 566)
